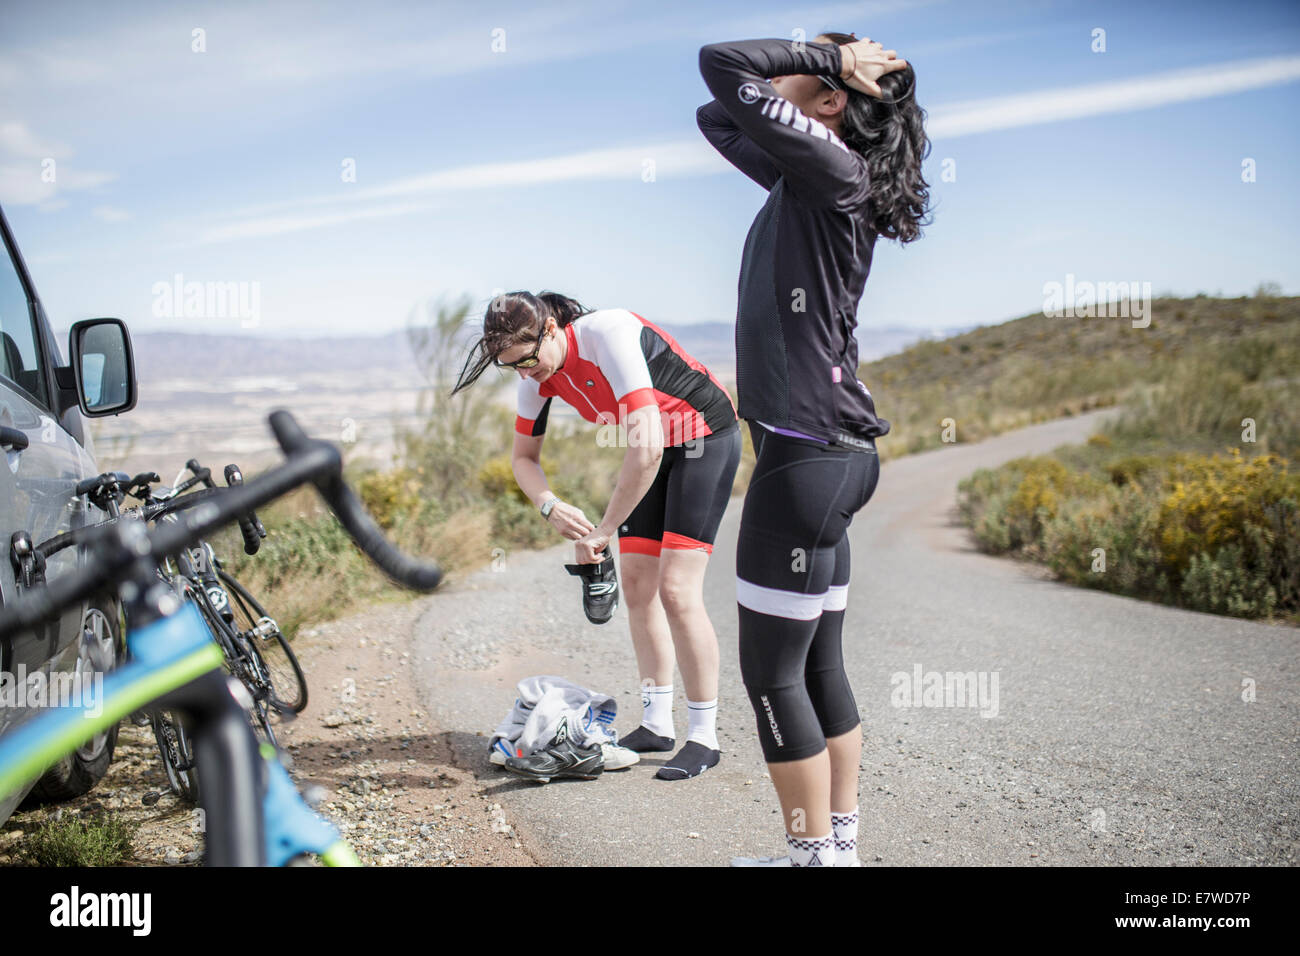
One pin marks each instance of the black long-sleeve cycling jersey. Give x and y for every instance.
(808, 253)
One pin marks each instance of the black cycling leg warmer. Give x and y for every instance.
(825, 677)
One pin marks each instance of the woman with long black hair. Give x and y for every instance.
(833, 131)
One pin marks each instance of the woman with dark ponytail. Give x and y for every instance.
(832, 130)
(683, 447)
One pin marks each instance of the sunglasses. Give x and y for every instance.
(529, 361)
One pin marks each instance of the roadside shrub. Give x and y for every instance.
(497, 479)
(70, 841)
(1228, 584)
(1135, 469)
(388, 495)
(1119, 522)
(1214, 533)
(1010, 507)
(1213, 501)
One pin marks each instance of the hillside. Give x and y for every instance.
(1036, 368)
(1188, 497)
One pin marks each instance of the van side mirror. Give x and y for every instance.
(104, 366)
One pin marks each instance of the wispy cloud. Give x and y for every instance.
(35, 170)
(695, 158)
(17, 140)
(24, 183)
(1119, 96)
(670, 160)
(276, 225)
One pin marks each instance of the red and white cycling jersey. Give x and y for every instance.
(618, 362)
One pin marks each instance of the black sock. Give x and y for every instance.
(643, 740)
(691, 761)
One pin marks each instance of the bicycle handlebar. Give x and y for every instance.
(91, 485)
(116, 543)
(204, 475)
(249, 526)
(138, 487)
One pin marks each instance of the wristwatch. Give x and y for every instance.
(550, 503)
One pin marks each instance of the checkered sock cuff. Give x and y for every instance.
(844, 828)
(811, 851)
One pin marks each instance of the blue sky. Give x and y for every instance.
(479, 170)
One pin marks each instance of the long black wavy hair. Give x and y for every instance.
(514, 318)
(890, 133)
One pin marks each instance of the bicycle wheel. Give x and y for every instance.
(288, 684)
(242, 660)
(258, 679)
(177, 755)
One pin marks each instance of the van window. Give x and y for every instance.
(20, 354)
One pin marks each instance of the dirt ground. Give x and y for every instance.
(386, 774)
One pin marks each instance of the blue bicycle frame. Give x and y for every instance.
(169, 656)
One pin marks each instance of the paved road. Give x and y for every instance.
(1120, 734)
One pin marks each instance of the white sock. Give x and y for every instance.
(811, 851)
(844, 827)
(657, 704)
(702, 722)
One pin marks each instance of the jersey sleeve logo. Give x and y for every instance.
(787, 114)
(748, 93)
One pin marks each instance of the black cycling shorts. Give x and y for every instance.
(684, 506)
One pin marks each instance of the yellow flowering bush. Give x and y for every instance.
(388, 495)
(1010, 506)
(1212, 501)
(498, 479)
(1217, 533)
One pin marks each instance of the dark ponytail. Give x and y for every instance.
(562, 307)
(890, 133)
(512, 319)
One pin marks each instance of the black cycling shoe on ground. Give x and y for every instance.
(561, 758)
(599, 588)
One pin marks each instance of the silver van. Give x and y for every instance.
(46, 452)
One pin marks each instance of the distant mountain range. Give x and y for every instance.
(207, 396)
(212, 361)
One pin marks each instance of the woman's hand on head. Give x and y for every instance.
(570, 521)
(866, 61)
(587, 550)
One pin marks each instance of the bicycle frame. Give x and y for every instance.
(176, 663)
